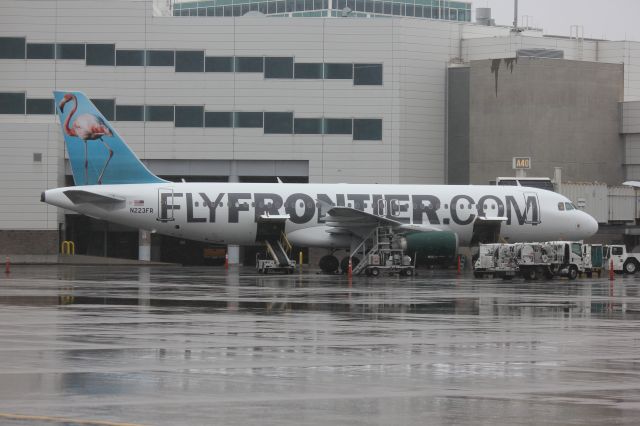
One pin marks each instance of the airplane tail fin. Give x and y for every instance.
(97, 153)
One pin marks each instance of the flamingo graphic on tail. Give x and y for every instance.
(86, 127)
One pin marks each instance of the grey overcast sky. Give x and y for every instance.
(610, 19)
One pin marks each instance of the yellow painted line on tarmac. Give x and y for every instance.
(25, 417)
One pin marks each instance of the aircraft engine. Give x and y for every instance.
(431, 244)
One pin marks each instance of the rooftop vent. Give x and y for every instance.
(483, 16)
(540, 53)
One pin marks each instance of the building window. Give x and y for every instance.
(130, 58)
(189, 61)
(249, 64)
(338, 71)
(247, 119)
(40, 106)
(70, 51)
(308, 70)
(12, 47)
(218, 119)
(11, 103)
(218, 64)
(308, 126)
(101, 54)
(106, 107)
(367, 74)
(160, 58)
(159, 113)
(278, 67)
(189, 116)
(367, 129)
(408, 11)
(41, 51)
(278, 122)
(337, 126)
(129, 113)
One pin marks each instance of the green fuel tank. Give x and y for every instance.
(436, 243)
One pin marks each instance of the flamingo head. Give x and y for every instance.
(66, 98)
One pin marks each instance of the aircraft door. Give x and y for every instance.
(165, 205)
(394, 207)
(532, 210)
(382, 207)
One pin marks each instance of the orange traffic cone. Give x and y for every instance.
(611, 271)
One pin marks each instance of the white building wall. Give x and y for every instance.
(23, 178)
(411, 101)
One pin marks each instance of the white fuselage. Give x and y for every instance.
(227, 213)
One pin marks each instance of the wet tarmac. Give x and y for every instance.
(191, 346)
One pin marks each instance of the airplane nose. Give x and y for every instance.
(589, 225)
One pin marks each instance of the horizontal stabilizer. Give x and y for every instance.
(78, 196)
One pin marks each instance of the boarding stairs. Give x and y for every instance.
(377, 252)
(279, 250)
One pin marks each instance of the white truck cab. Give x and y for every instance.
(623, 261)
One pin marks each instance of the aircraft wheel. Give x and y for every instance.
(630, 267)
(548, 273)
(529, 274)
(573, 272)
(374, 272)
(329, 264)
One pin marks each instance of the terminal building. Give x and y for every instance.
(327, 91)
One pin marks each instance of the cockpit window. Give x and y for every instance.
(561, 206)
(569, 206)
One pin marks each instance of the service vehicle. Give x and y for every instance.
(496, 260)
(623, 261)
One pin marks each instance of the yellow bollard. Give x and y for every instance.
(68, 248)
(300, 258)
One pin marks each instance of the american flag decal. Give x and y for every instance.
(137, 203)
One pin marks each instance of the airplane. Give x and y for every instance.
(112, 184)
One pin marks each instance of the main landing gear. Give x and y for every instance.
(329, 264)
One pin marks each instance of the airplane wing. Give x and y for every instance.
(347, 220)
(108, 202)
